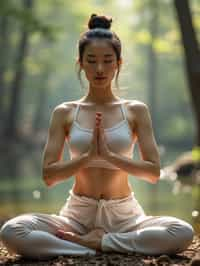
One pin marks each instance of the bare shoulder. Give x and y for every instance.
(137, 111)
(137, 106)
(63, 114)
(64, 109)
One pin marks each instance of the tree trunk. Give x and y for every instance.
(16, 86)
(3, 47)
(38, 120)
(152, 65)
(152, 89)
(192, 57)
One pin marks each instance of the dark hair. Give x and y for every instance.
(99, 28)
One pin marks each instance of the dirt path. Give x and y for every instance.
(189, 257)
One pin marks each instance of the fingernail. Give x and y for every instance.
(98, 114)
(60, 233)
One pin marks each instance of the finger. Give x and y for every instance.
(68, 236)
(98, 122)
(98, 113)
(75, 238)
(101, 131)
(60, 234)
(98, 118)
(94, 137)
(95, 132)
(71, 237)
(100, 125)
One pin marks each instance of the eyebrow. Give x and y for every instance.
(106, 55)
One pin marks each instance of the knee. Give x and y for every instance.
(11, 234)
(184, 235)
(7, 236)
(188, 233)
(6, 232)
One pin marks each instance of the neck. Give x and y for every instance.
(104, 96)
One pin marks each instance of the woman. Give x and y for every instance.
(101, 212)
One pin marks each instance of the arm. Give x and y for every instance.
(149, 167)
(53, 169)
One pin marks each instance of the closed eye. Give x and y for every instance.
(107, 61)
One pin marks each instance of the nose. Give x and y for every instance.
(99, 68)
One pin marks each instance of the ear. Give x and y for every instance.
(79, 62)
(120, 61)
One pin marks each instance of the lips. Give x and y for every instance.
(100, 78)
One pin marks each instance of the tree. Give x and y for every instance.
(16, 83)
(11, 15)
(152, 63)
(3, 46)
(192, 57)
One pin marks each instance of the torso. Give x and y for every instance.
(100, 182)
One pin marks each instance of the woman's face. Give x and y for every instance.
(99, 63)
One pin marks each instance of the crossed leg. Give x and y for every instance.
(153, 236)
(34, 235)
(37, 236)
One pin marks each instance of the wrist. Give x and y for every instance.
(87, 157)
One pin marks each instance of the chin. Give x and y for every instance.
(100, 85)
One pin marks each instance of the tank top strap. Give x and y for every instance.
(123, 109)
(76, 111)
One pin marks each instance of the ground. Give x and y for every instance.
(190, 257)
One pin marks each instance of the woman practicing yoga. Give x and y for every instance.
(101, 212)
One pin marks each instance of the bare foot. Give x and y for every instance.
(90, 240)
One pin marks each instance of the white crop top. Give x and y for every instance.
(119, 139)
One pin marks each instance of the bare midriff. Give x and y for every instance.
(101, 183)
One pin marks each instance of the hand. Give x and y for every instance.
(98, 148)
(103, 149)
(93, 151)
(91, 240)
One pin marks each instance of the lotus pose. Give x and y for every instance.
(101, 129)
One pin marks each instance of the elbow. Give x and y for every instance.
(47, 181)
(156, 175)
(46, 178)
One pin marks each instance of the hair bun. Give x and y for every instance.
(96, 21)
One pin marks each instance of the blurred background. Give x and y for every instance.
(38, 51)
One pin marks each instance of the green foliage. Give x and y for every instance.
(27, 19)
(50, 66)
(196, 153)
(177, 127)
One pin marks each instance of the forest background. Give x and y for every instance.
(38, 52)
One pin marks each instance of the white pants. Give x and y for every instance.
(128, 229)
